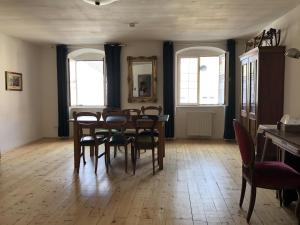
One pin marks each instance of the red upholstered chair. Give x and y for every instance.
(273, 175)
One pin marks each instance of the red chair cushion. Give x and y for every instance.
(275, 175)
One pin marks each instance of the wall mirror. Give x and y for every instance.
(142, 79)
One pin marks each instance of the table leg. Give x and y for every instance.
(76, 147)
(161, 146)
(267, 140)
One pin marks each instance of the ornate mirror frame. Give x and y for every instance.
(140, 59)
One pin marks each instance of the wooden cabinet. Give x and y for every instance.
(262, 90)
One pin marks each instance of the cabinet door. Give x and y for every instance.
(244, 93)
(253, 96)
(252, 87)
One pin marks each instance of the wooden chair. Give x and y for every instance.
(151, 110)
(273, 175)
(117, 121)
(87, 133)
(103, 131)
(130, 113)
(147, 141)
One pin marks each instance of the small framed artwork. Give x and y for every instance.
(13, 81)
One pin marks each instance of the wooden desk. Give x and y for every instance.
(285, 140)
(160, 126)
(288, 142)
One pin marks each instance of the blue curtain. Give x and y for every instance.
(62, 88)
(168, 65)
(230, 108)
(113, 68)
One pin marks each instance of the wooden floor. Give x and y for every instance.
(200, 184)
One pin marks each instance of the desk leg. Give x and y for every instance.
(267, 140)
(76, 147)
(161, 146)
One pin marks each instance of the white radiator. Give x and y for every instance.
(199, 124)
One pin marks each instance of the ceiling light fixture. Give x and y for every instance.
(293, 53)
(100, 2)
(132, 24)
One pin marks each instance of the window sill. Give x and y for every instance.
(200, 106)
(87, 107)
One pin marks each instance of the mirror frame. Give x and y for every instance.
(153, 97)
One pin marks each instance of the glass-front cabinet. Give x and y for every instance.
(262, 89)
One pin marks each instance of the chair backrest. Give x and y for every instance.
(86, 125)
(111, 111)
(132, 112)
(245, 143)
(145, 123)
(115, 120)
(151, 110)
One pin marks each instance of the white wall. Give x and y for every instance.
(20, 111)
(135, 49)
(290, 28)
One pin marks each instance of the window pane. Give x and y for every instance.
(89, 83)
(209, 80)
(221, 79)
(188, 80)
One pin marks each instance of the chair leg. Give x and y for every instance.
(134, 152)
(153, 161)
(115, 151)
(83, 155)
(280, 197)
(108, 154)
(252, 202)
(92, 152)
(298, 206)
(244, 182)
(126, 158)
(96, 159)
(106, 149)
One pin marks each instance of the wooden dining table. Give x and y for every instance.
(160, 126)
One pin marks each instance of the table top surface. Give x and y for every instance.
(161, 118)
(292, 138)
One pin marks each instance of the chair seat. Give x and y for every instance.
(149, 133)
(89, 140)
(119, 139)
(275, 175)
(146, 141)
(130, 132)
(101, 131)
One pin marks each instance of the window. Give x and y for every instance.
(201, 80)
(87, 83)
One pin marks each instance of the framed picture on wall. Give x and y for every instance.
(13, 81)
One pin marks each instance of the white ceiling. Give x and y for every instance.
(76, 22)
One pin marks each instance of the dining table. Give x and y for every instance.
(160, 127)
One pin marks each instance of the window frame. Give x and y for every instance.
(104, 84)
(179, 104)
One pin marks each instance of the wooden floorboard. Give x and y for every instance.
(200, 184)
